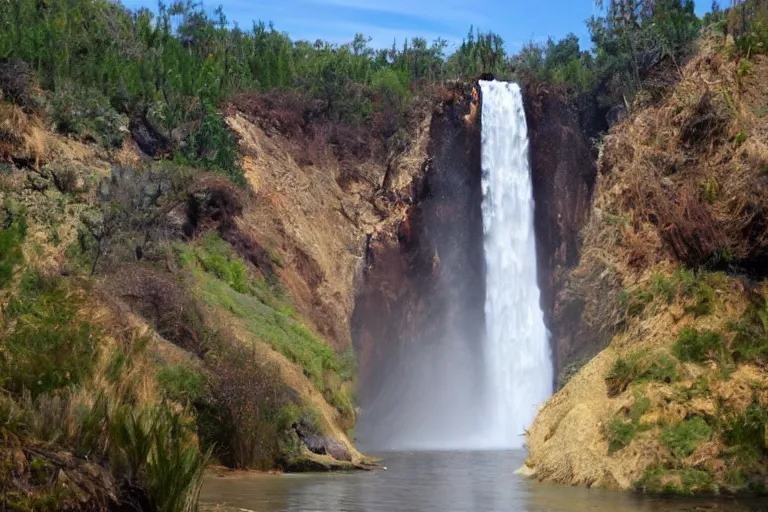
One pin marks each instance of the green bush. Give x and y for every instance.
(639, 407)
(748, 430)
(213, 146)
(87, 113)
(632, 303)
(663, 287)
(750, 342)
(682, 439)
(218, 258)
(687, 481)
(692, 345)
(619, 433)
(47, 347)
(12, 235)
(180, 383)
(154, 448)
(639, 367)
(704, 297)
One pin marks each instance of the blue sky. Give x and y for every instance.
(337, 21)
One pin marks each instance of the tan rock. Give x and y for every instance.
(703, 406)
(677, 312)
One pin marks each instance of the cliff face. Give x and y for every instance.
(423, 285)
(563, 173)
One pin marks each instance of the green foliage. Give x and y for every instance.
(641, 366)
(88, 114)
(558, 62)
(619, 433)
(12, 234)
(683, 438)
(748, 23)
(740, 138)
(632, 302)
(632, 36)
(663, 287)
(692, 345)
(180, 383)
(704, 299)
(155, 447)
(745, 68)
(686, 481)
(748, 430)
(709, 190)
(639, 407)
(217, 257)
(267, 315)
(46, 345)
(213, 146)
(750, 342)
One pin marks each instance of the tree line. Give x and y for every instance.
(176, 65)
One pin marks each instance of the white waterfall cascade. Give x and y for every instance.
(518, 357)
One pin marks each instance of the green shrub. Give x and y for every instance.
(639, 367)
(750, 342)
(708, 190)
(47, 346)
(704, 297)
(663, 287)
(632, 303)
(154, 447)
(687, 481)
(639, 407)
(218, 258)
(687, 281)
(212, 146)
(12, 235)
(180, 383)
(748, 430)
(682, 439)
(619, 433)
(266, 314)
(692, 345)
(87, 113)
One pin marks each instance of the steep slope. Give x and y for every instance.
(142, 295)
(671, 278)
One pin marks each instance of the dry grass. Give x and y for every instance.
(682, 183)
(656, 166)
(20, 136)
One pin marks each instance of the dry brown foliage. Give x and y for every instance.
(162, 299)
(689, 168)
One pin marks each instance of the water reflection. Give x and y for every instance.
(439, 482)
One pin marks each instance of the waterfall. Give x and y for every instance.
(517, 355)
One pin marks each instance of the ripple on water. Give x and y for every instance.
(439, 482)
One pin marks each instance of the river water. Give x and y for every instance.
(438, 482)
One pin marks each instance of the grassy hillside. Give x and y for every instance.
(146, 333)
(673, 272)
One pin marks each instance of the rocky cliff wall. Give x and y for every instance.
(423, 282)
(563, 172)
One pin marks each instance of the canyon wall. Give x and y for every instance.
(424, 280)
(563, 172)
(423, 287)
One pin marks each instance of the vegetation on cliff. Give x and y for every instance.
(672, 272)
